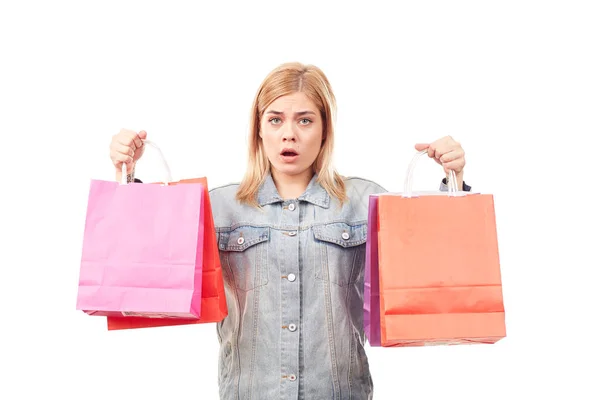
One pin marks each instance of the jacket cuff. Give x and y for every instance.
(444, 186)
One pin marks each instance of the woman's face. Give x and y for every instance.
(292, 133)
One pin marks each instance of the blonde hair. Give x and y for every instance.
(284, 80)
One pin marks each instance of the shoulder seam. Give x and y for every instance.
(347, 178)
(223, 186)
(363, 179)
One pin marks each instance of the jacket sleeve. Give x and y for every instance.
(444, 186)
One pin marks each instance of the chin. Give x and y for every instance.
(290, 169)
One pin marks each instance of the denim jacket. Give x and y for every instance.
(294, 276)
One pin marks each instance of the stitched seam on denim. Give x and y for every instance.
(226, 237)
(330, 333)
(258, 262)
(351, 333)
(279, 252)
(341, 221)
(342, 243)
(360, 228)
(237, 328)
(301, 227)
(223, 186)
(242, 247)
(351, 279)
(301, 361)
(358, 178)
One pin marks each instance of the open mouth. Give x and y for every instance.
(289, 153)
(289, 156)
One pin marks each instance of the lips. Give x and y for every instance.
(289, 156)
(289, 153)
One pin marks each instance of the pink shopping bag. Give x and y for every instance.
(142, 250)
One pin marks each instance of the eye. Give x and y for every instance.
(275, 120)
(305, 121)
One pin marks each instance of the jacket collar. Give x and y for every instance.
(314, 193)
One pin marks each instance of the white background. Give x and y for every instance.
(516, 82)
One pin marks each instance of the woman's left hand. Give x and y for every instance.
(448, 153)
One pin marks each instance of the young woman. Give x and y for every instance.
(292, 239)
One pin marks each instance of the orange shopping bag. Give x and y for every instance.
(213, 306)
(439, 269)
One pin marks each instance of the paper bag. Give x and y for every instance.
(143, 250)
(438, 269)
(213, 302)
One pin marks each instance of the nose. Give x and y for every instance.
(289, 135)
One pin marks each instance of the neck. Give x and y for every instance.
(291, 186)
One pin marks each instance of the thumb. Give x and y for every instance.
(142, 135)
(421, 146)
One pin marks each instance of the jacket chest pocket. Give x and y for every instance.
(244, 250)
(340, 252)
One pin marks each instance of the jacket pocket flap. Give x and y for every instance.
(243, 237)
(341, 233)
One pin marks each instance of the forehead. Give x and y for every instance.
(293, 103)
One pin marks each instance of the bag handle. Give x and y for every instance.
(168, 178)
(452, 183)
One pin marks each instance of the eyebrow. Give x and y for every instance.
(298, 113)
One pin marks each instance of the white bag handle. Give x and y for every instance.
(452, 183)
(168, 178)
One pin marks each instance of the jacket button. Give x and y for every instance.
(240, 240)
(291, 207)
(345, 236)
(292, 377)
(292, 327)
(291, 277)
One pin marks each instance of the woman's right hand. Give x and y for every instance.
(126, 147)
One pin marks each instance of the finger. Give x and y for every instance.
(119, 148)
(120, 158)
(128, 169)
(126, 141)
(452, 155)
(456, 166)
(440, 152)
(127, 137)
(421, 146)
(137, 140)
(431, 150)
(142, 135)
